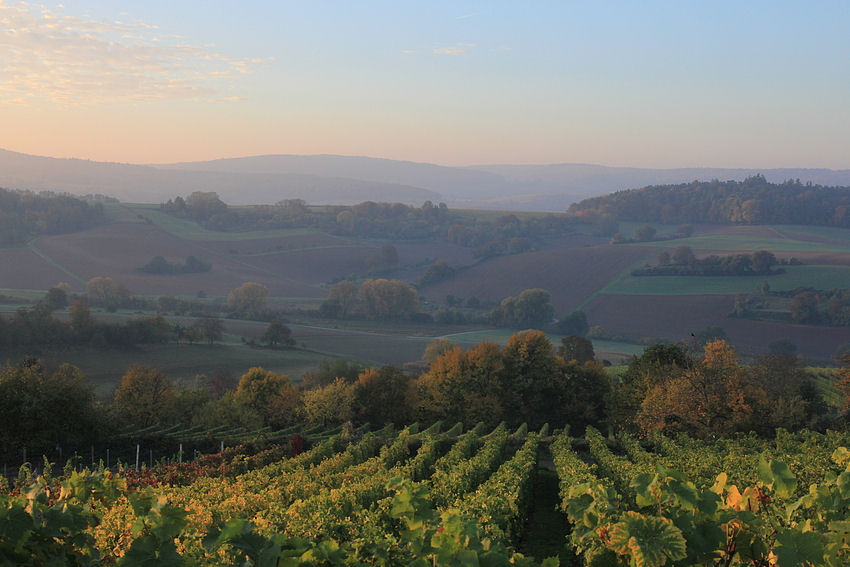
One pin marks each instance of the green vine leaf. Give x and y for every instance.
(649, 541)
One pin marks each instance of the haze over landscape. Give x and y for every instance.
(367, 283)
(655, 84)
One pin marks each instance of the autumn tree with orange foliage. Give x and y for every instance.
(524, 382)
(462, 386)
(717, 395)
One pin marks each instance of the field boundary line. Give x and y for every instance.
(52, 262)
(603, 290)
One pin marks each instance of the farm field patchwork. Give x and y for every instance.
(570, 275)
(675, 317)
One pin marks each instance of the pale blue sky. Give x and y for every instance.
(655, 84)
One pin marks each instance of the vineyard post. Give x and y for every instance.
(222, 446)
(137, 456)
(107, 457)
(180, 454)
(151, 458)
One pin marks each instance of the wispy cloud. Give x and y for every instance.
(46, 55)
(456, 49)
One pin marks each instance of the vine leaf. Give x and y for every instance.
(798, 548)
(779, 475)
(648, 540)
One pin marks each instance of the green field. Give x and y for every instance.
(747, 243)
(182, 363)
(190, 230)
(821, 277)
(813, 232)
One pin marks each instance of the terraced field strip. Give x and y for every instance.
(746, 243)
(307, 249)
(817, 276)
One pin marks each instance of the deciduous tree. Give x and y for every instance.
(577, 349)
(250, 297)
(278, 334)
(271, 395)
(330, 405)
(144, 397)
(388, 299)
(383, 395)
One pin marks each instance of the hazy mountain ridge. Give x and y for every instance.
(556, 186)
(147, 184)
(337, 179)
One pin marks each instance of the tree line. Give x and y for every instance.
(527, 380)
(160, 266)
(38, 325)
(25, 214)
(667, 389)
(506, 234)
(683, 262)
(752, 201)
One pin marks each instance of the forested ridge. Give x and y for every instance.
(752, 201)
(26, 214)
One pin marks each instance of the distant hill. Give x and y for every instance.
(148, 184)
(322, 179)
(554, 187)
(752, 201)
(452, 183)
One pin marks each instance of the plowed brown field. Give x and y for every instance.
(21, 268)
(570, 275)
(674, 318)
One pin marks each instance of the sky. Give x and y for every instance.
(641, 83)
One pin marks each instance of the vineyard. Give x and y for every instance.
(448, 496)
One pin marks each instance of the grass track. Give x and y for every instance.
(821, 277)
(747, 243)
(32, 246)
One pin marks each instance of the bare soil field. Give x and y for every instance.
(570, 275)
(117, 250)
(674, 318)
(316, 266)
(276, 244)
(22, 268)
(419, 252)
